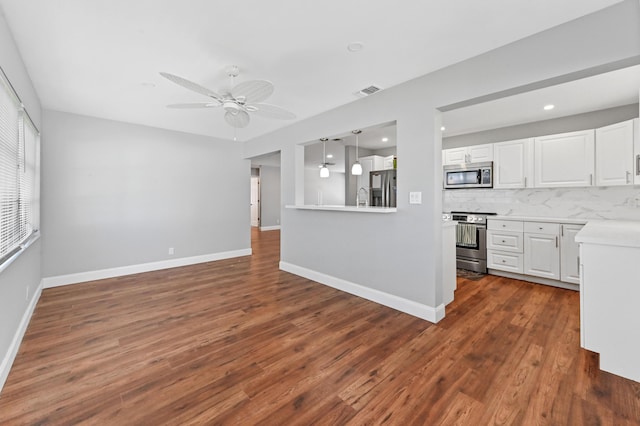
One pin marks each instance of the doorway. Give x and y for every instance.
(255, 200)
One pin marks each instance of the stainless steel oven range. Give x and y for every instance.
(471, 240)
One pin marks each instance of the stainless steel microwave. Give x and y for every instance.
(470, 175)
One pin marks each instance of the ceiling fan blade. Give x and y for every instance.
(271, 111)
(195, 105)
(238, 119)
(252, 91)
(190, 85)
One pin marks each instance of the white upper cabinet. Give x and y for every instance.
(480, 153)
(388, 162)
(564, 160)
(513, 164)
(468, 154)
(454, 156)
(614, 154)
(636, 150)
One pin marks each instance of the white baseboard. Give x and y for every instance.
(80, 277)
(10, 356)
(270, 228)
(537, 280)
(401, 304)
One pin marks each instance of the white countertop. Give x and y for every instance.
(541, 219)
(338, 208)
(620, 233)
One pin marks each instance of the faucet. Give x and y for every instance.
(365, 202)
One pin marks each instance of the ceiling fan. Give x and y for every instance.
(237, 102)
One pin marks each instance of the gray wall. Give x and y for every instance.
(269, 196)
(118, 194)
(589, 120)
(400, 253)
(331, 189)
(23, 276)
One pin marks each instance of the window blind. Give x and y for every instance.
(19, 174)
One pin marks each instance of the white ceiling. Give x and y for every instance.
(102, 58)
(602, 91)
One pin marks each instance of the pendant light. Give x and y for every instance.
(356, 169)
(324, 171)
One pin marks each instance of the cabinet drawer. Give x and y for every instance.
(505, 261)
(505, 225)
(505, 241)
(542, 228)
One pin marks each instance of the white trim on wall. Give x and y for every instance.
(10, 355)
(270, 228)
(401, 304)
(80, 277)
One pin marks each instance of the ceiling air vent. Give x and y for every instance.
(369, 90)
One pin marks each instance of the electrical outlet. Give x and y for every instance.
(171, 250)
(277, 221)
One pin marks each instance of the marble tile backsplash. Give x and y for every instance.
(622, 203)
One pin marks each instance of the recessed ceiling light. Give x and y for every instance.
(147, 84)
(385, 139)
(329, 155)
(549, 107)
(355, 46)
(442, 129)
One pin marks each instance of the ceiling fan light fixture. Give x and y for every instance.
(231, 106)
(237, 102)
(324, 171)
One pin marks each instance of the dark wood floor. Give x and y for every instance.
(240, 342)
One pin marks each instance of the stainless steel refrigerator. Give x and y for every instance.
(382, 188)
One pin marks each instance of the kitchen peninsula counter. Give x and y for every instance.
(568, 221)
(338, 208)
(610, 294)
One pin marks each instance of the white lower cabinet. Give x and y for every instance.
(542, 250)
(505, 261)
(539, 249)
(569, 254)
(505, 245)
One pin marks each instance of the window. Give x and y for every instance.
(19, 173)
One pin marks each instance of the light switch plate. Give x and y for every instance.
(415, 198)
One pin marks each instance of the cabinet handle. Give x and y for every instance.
(638, 165)
(503, 241)
(562, 230)
(590, 178)
(628, 177)
(578, 265)
(525, 180)
(556, 242)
